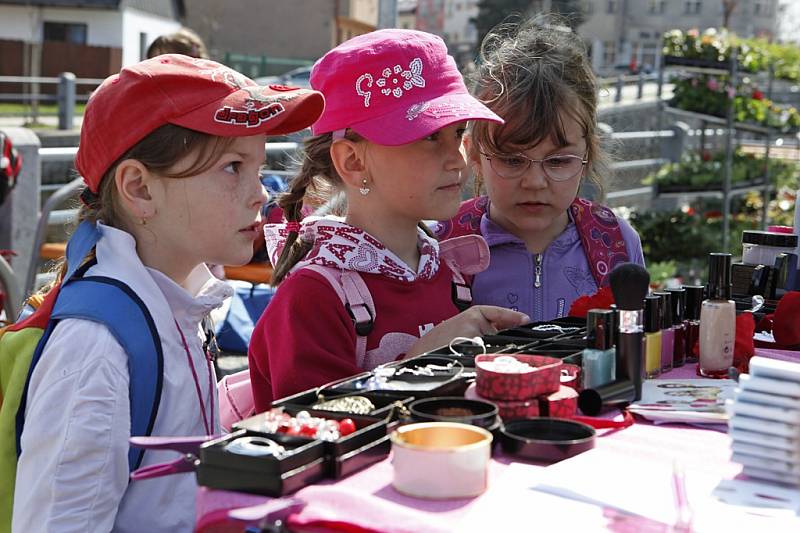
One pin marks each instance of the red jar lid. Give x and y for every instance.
(780, 229)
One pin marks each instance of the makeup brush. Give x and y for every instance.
(629, 283)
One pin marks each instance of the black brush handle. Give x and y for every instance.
(630, 357)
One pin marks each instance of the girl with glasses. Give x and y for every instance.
(548, 246)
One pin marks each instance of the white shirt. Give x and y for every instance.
(73, 471)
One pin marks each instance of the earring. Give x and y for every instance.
(144, 221)
(364, 190)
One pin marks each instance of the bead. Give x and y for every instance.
(346, 427)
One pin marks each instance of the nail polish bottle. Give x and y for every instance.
(652, 336)
(667, 333)
(599, 357)
(695, 294)
(717, 320)
(678, 326)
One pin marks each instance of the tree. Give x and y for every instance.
(493, 12)
(571, 10)
(728, 7)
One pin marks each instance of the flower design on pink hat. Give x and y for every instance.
(393, 81)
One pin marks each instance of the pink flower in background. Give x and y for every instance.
(712, 84)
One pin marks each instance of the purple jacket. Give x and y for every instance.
(541, 285)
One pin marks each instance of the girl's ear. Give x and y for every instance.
(473, 157)
(133, 182)
(349, 160)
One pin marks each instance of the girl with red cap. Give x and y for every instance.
(390, 139)
(170, 151)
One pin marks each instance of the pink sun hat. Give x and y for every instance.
(393, 87)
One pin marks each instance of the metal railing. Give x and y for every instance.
(66, 96)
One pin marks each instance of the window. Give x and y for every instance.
(611, 6)
(657, 7)
(692, 7)
(65, 31)
(609, 53)
(588, 8)
(762, 8)
(644, 34)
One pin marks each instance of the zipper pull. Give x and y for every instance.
(538, 271)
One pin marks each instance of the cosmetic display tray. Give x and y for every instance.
(367, 445)
(303, 464)
(387, 403)
(449, 379)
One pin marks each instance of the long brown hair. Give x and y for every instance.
(532, 74)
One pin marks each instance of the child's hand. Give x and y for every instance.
(474, 322)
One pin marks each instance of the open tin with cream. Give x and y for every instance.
(441, 460)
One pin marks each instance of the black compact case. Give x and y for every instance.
(301, 465)
(450, 382)
(386, 402)
(348, 454)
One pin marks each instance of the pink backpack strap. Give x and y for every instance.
(357, 300)
(601, 236)
(466, 222)
(465, 256)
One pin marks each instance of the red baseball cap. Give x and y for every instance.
(393, 87)
(198, 94)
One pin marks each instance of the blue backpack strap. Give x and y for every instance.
(113, 304)
(79, 245)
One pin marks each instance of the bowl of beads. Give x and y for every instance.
(516, 377)
(455, 409)
(351, 441)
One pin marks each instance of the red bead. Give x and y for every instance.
(346, 426)
(308, 431)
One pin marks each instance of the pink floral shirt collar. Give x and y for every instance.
(340, 245)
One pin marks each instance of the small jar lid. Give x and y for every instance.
(780, 229)
(767, 238)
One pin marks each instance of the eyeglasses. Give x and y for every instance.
(556, 167)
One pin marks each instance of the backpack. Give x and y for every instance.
(597, 227)
(96, 298)
(464, 255)
(10, 166)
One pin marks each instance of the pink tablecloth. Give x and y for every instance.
(699, 452)
(689, 371)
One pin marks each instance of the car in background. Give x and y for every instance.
(298, 77)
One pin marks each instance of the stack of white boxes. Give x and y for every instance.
(765, 421)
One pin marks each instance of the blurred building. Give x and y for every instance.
(407, 14)
(627, 33)
(91, 38)
(269, 37)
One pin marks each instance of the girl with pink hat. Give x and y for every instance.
(548, 245)
(390, 139)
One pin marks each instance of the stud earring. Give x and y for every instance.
(144, 221)
(364, 190)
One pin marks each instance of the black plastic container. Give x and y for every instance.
(303, 463)
(385, 402)
(479, 413)
(444, 383)
(367, 445)
(546, 440)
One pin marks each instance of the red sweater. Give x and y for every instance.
(306, 337)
